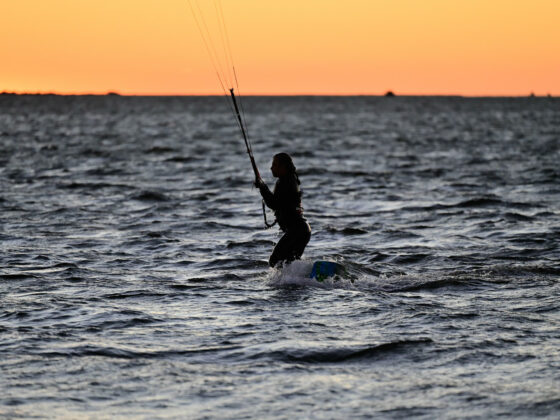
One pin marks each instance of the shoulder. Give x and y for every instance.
(288, 184)
(286, 181)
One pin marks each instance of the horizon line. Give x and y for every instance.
(388, 93)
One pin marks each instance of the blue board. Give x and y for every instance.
(324, 269)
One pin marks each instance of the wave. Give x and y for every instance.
(410, 283)
(125, 353)
(89, 152)
(181, 159)
(94, 185)
(17, 276)
(132, 294)
(347, 231)
(296, 274)
(476, 202)
(518, 217)
(411, 258)
(157, 150)
(257, 243)
(458, 279)
(151, 196)
(345, 354)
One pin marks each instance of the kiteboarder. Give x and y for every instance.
(286, 203)
(286, 198)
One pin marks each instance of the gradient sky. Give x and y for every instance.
(469, 47)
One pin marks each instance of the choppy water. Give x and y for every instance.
(133, 275)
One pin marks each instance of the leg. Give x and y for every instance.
(282, 250)
(302, 240)
(291, 246)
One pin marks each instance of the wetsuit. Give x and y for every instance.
(286, 203)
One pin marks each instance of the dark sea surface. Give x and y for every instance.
(133, 266)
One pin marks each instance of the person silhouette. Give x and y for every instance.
(286, 203)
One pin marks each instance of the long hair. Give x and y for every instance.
(287, 162)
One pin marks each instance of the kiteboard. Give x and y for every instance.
(324, 269)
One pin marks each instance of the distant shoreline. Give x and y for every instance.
(389, 97)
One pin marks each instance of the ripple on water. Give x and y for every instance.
(134, 260)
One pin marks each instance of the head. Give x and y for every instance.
(282, 165)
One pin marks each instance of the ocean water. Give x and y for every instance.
(133, 266)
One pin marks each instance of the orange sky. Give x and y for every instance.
(469, 47)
